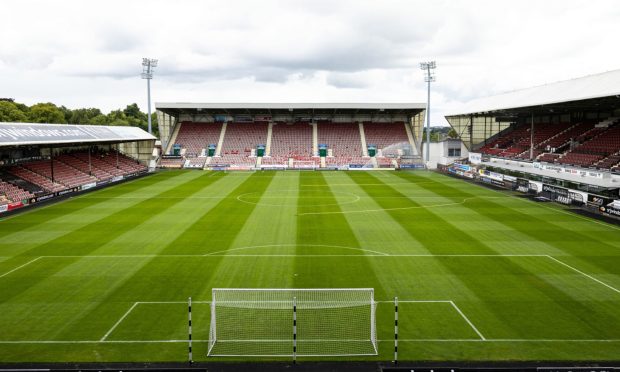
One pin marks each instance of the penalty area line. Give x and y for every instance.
(19, 267)
(119, 321)
(584, 274)
(467, 320)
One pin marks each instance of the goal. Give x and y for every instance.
(305, 164)
(291, 322)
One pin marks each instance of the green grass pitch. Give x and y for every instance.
(105, 276)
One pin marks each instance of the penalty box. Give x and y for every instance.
(167, 321)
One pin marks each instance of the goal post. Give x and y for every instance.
(260, 322)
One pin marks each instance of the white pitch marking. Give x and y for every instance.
(413, 301)
(119, 322)
(467, 320)
(260, 203)
(379, 301)
(171, 302)
(584, 274)
(375, 255)
(502, 340)
(127, 256)
(369, 184)
(378, 254)
(19, 267)
(403, 208)
(296, 245)
(386, 340)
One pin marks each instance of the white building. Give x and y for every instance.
(445, 152)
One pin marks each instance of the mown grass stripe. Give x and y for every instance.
(88, 238)
(555, 296)
(62, 209)
(437, 235)
(570, 241)
(374, 227)
(155, 278)
(565, 239)
(315, 272)
(81, 212)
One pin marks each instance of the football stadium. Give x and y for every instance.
(306, 233)
(314, 234)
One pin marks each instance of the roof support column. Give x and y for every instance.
(90, 167)
(52, 162)
(485, 129)
(532, 138)
(471, 131)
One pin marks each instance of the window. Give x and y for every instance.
(454, 152)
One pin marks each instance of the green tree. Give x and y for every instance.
(452, 133)
(117, 117)
(66, 112)
(49, 113)
(155, 125)
(100, 119)
(10, 112)
(84, 115)
(46, 113)
(133, 111)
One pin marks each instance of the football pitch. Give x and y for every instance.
(480, 274)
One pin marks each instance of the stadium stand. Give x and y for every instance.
(74, 161)
(71, 170)
(62, 174)
(239, 141)
(610, 162)
(593, 144)
(98, 163)
(564, 138)
(291, 144)
(122, 162)
(291, 141)
(41, 162)
(509, 144)
(195, 137)
(291, 133)
(602, 144)
(12, 193)
(42, 181)
(344, 141)
(388, 137)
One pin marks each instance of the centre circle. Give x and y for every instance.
(282, 199)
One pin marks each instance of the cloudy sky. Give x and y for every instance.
(88, 53)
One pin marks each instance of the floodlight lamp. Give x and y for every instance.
(428, 65)
(149, 62)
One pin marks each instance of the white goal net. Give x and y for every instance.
(286, 322)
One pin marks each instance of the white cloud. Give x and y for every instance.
(79, 53)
